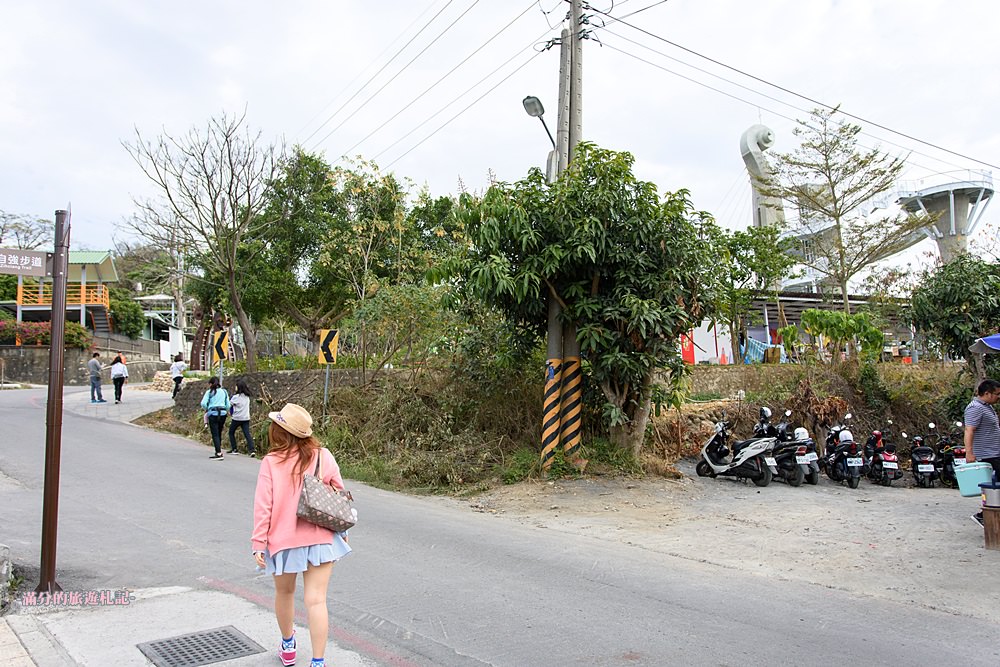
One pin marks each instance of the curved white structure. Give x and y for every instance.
(766, 210)
(959, 198)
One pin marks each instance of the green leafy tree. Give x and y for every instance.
(957, 303)
(833, 182)
(746, 264)
(628, 267)
(840, 329)
(126, 314)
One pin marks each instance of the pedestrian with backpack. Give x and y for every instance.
(216, 405)
(119, 376)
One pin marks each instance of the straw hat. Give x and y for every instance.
(294, 419)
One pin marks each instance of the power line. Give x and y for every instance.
(473, 103)
(758, 106)
(446, 75)
(361, 73)
(799, 95)
(375, 75)
(383, 86)
(460, 96)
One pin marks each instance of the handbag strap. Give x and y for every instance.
(319, 461)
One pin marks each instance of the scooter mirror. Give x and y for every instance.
(848, 415)
(788, 413)
(930, 425)
(904, 434)
(889, 421)
(958, 424)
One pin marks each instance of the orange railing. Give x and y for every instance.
(76, 294)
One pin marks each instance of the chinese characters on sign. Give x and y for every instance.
(24, 262)
(103, 598)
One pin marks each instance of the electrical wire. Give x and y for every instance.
(381, 69)
(396, 75)
(473, 103)
(362, 72)
(771, 111)
(461, 95)
(799, 95)
(445, 76)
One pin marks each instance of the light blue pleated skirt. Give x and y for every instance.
(298, 559)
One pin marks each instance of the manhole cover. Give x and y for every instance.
(200, 648)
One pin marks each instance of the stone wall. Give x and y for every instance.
(30, 365)
(272, 389)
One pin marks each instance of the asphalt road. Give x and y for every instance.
(432, 583)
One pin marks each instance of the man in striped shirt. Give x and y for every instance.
(982, 430)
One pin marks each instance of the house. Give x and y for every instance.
(88, 299)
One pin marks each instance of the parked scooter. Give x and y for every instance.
(790, 452)
(843, 459)
(833, 435)
(805, 455)
(922, 459)
(951, 453)
(747, 461)
(882, 462)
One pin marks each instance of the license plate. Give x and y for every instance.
(959, 462)
(803, 460)
(770, 461)
(855, 463)
(810, 457)
(925, 467)
(890, 465)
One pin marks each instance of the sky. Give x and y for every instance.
(375, 79)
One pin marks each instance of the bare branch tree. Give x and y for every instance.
(833, 184)
(24, 232)
(212, 184)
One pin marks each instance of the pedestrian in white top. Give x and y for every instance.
(119, 376)
(177, 372)
(240, 410)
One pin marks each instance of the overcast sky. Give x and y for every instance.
(77, 78)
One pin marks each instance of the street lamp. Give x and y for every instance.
(533, 106)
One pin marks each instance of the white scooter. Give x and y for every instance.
(751, 458)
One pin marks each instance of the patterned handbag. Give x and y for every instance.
(323, 505)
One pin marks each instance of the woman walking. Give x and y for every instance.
(119, 376)
(177, 373)
(216, 404)
(286, 545)
(241, 418)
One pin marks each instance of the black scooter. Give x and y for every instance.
(843, 462)
(951, 453)
(922, 461)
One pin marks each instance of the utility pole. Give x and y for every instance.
(563, 397)
(54, 407)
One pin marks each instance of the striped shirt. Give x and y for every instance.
(986, 438)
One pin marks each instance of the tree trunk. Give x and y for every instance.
(631, 435)
(249, 337)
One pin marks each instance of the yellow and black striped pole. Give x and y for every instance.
(570, 413)
(550, 410)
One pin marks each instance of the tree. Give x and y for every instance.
(958, 303)
(833, 182)
(24, 231)
(212, 184)
(126, 314)
(628, 268)
(747, 263)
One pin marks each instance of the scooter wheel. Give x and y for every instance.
(853, 482)
(887, 481)
(813, 477)
(796, 477)
(703, 469)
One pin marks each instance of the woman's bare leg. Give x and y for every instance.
(316, 581)
(284, 602)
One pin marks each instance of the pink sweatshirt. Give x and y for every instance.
(275, 524)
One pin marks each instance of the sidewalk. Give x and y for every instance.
(136, 402)
(86, 628)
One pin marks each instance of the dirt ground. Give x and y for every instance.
(915, 546)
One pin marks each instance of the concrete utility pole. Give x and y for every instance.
(563, 397)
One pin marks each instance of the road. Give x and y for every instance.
(432, 583)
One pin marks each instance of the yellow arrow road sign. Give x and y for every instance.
(328, 339)
(220, 346)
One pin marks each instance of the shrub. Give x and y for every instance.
(40, 333)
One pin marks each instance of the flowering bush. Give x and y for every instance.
(40, 333)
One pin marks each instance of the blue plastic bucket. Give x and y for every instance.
(971, 475)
